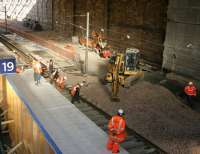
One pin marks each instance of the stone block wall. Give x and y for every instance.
(42, 12)
(143, 20)
(182, 43)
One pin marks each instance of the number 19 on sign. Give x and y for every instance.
(7, 66)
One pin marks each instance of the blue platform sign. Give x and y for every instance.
(7, 65)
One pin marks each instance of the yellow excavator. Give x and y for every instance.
(123, 70)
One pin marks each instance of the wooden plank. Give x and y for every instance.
(7, 122)
(23, 128)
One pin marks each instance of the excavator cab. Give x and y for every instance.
(123, 69)
(131, 61)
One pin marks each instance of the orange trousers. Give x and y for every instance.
(113, 142)
(113, 146)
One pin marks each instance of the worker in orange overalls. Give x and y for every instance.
(61, 81)
(75, 92)
(117, 131)
(190, 91)
(37, 68)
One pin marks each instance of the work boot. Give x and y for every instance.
(115, 148)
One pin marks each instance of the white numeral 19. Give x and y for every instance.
(8, 67)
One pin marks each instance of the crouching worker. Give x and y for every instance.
(75, 93)
(54, 76)
(61, 81)
(117, 133)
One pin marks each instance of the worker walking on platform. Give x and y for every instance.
(37, 68)
(117, 131)
(190, 91)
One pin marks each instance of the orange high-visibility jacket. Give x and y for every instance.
(191, 90)
(116, 127)
(18, 70)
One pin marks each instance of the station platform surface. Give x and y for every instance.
(65, 128)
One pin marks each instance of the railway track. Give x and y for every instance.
(134, 143)
(16, 49)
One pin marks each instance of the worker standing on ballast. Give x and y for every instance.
(117, 133)
(50, 67)
(190, 91)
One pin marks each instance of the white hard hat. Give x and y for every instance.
(190, 83)
(120, 112)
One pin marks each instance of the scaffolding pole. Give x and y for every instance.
(87, 39)
(6, 24)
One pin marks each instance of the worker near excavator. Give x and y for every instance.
(190, 91)
(75, 92)
(117, 133)
(37, 68)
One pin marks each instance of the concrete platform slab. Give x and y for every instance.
(65, 128)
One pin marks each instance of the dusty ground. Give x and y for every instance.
(155, 113)
(151, 110)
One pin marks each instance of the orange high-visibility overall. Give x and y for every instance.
(190, 90)
(117, 133)
(61, 82)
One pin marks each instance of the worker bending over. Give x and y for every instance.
(37, 68)
(117, 133)
(75, 93)
(190, 91)
(61, 81)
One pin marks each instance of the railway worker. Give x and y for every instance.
(75, 92)
(61, 81)
(37, 68)
(19, 69)
(117, 133)
(51, 63)
(54, 76)
(190, 91)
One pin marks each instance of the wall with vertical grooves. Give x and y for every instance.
(182, 42)
(143, 20)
